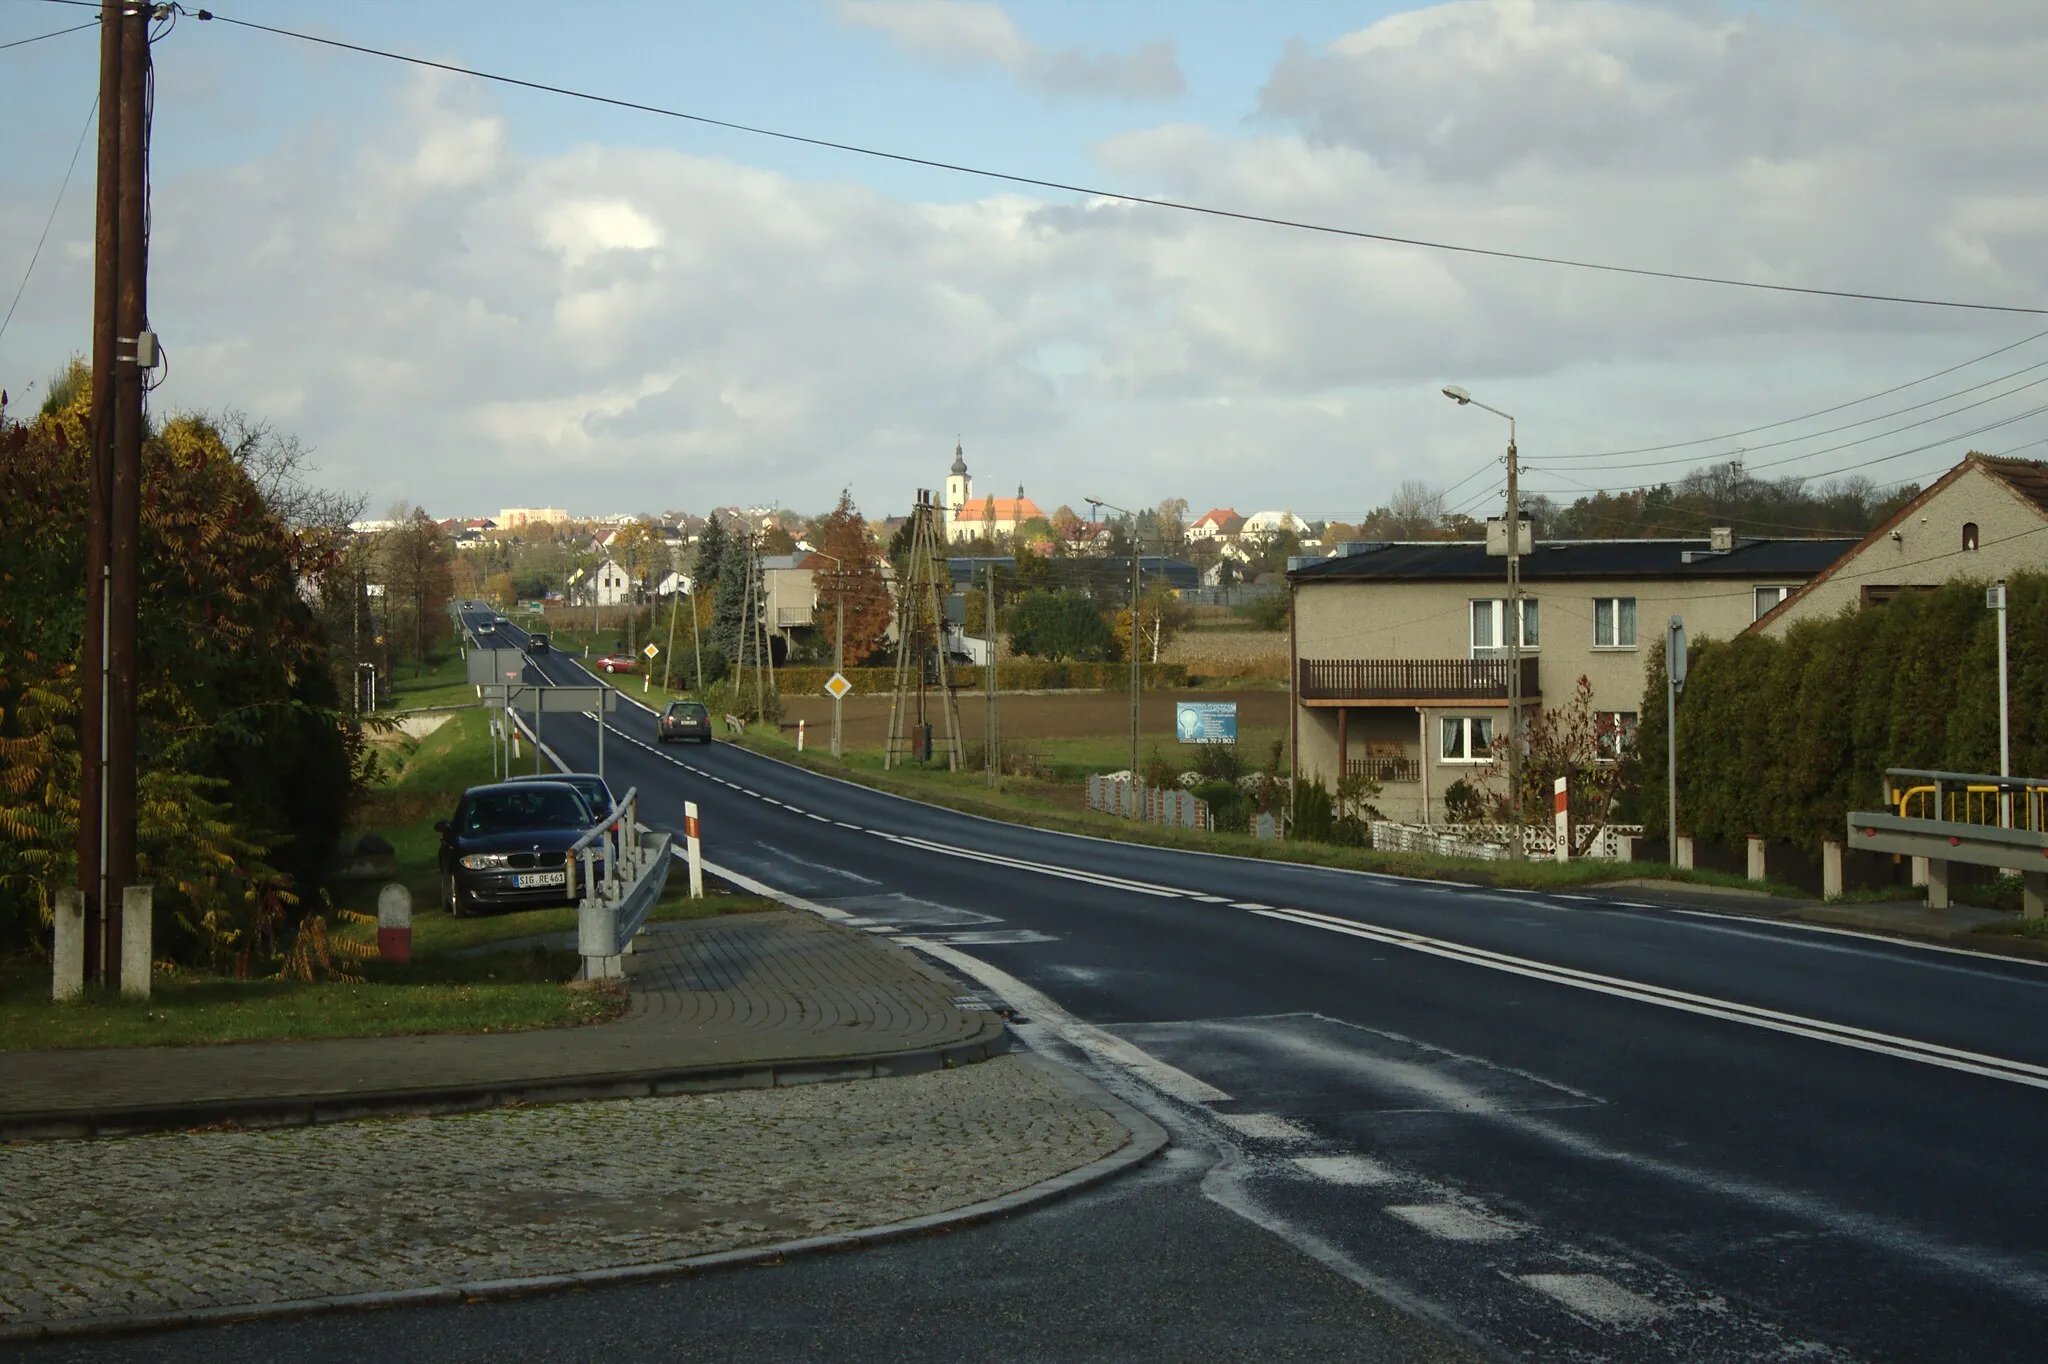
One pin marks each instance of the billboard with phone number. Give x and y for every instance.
(1205, 722)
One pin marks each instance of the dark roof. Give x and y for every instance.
(1468, 561)
(2027, 477)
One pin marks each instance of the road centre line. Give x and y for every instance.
(1091, 878)
(1841, 1034)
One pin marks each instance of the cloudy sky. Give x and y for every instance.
(471, 296)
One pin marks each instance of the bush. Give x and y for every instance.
(1229, 809)
(1266, 613)
(1464, 803)
(1314, 813)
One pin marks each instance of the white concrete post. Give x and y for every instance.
(1937, 883)
(1624, 847)
(695, 848)
(138, 904)
(1561, 793)
(67, 953)
(2033, 893)
(1755, 870)
(1830, 868)
(1685, 851)
(1919, 871)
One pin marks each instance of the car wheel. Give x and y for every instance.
(460, 903)
(448, 892)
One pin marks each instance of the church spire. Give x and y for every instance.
(959, 457)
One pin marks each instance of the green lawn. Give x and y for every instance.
(447, 987)
(444, 683)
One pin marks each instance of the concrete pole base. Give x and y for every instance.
(1831, 868)
(1755, 869)
(67, 952)
(1937, 883)
(2033, 894)
(138, 906)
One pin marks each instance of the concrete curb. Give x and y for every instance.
(309, 1109)
(1146, 1140)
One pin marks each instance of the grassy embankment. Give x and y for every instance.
(454, 983)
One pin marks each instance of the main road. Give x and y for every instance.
(1565, 1125)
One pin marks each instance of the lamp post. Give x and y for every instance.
(1099, 506)
(1513, 624)
(839, 641)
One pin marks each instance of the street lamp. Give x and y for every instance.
(839, 643)
(1099, 506)
(1513, 624)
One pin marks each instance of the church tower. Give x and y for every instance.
(959, 487)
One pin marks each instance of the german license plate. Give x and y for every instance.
(527, 880)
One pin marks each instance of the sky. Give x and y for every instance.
(469, 296)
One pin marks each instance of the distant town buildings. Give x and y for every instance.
(515, 518)
(971, 518)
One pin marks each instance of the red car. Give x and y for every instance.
(617, 663)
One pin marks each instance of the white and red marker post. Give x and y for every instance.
(695, 847)
(799, 736)
(1564, 820)
(394, 923)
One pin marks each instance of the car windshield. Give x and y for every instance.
(541, 807)
(594, 793)
(686, 710)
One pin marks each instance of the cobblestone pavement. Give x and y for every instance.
(752, 989)
(96, 1230)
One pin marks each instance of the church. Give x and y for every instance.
(971, 518)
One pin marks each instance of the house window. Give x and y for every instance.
(1614, 733)
(1969, 535)
(1467, 738)
(1614, 622)
(1767, 598)
(1489, 633)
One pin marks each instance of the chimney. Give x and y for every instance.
(1721, 539)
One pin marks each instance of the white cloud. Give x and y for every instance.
(965, 33)
(613, 327)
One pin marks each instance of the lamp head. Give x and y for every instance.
(1457, 395)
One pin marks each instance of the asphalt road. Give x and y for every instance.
(1572, 1126)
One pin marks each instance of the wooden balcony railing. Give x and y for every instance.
(1384, 770)
(1417, 679)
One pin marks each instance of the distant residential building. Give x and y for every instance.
(516, 518)
(1986, 519)
(611, 584)
(1217, 521)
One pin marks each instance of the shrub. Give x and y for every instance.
(1464, 803)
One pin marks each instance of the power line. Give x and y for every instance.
(1205, 210)
(40, 37)
(37, 254)
(1823, 412)
(1861, 440)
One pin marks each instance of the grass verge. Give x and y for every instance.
(1053, 805)
(455, 982)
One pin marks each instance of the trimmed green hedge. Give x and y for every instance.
(1017, 675)
(1783, 738)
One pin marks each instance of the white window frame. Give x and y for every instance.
(1624, 734)
(1466, 725)
(1495, 615)
(1757, 597)
(1614, 640)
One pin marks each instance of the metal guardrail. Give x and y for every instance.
(621, 868)
(2011, 839)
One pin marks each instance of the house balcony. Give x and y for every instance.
(1341, 682)
(1385, 770)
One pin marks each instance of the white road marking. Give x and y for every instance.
(1841, 1034)
(1065, 873)
(1595, 1296)
(1168, 1080)
(1248, 904)
(1265, 1127)
(820, 818)
(1357, 1171)
(1452, 1222)
(1210, 899)
(844, 825)
(1729, 920)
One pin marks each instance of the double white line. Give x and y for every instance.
(1093, 878)
(1905, 1048)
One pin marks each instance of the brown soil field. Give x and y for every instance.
(1048, 715)
(1229, 653)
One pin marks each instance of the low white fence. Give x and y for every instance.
(1153, 804)
(1608, 842)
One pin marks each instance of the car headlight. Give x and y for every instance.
(484, 861)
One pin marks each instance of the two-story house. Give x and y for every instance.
(1400, 649)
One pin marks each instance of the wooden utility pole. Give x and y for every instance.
(122, 350)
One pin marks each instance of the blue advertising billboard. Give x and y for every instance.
(1205, 722)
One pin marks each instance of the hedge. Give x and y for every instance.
(1783, 737)
(1016, 675)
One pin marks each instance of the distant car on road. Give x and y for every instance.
(618, 663)
(485, 628)
(507, 845)
(596, 793)
(683, 720)
(537, 642)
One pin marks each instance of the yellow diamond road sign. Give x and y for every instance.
(650, 651)
(839, 686)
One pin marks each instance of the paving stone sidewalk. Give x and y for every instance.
(766, 991)
(102, 1232)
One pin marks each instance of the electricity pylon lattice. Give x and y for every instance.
(924, 671)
